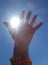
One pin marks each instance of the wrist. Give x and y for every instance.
(20, 50)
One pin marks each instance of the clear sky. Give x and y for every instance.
(38, 49)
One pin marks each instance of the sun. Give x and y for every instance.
(15, 22)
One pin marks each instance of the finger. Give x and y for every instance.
(22, 16)
(38, 26)
(9, 29)
(33, 20)
(6, 24)
(28, 16)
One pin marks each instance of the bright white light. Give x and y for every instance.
(15, 22)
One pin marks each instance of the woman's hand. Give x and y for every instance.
(25, 33)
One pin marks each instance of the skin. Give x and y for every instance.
(25, 33)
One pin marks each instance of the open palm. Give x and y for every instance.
(25, 33)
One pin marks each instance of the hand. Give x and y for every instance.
(26, 31)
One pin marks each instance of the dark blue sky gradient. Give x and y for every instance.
(38, 49)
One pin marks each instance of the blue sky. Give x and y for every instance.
(38, 49)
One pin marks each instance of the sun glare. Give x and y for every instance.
(15, 22)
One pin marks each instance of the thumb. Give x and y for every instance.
(6, 24)
(9, 29)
